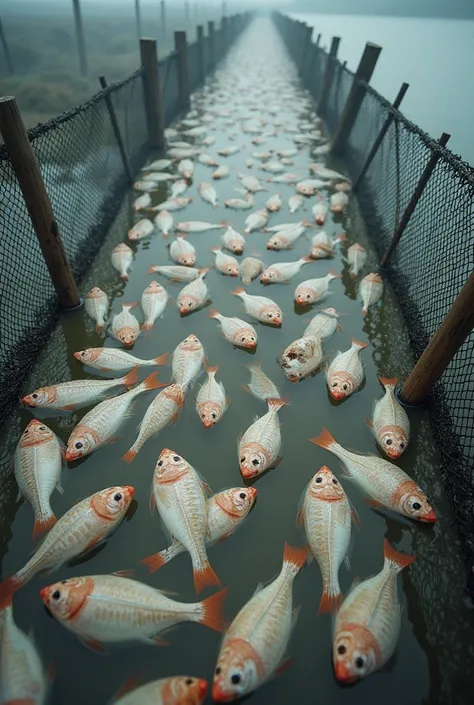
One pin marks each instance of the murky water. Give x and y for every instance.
(435, 649)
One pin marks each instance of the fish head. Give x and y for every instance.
(319, 252)
(66, 599)
(154, 287)
(186, 304)
(330, 312)
(236, 247)
(187, 260)
(232, 270)
(304, 190)
(246, 338)
(184, 690)
(268, 276)
(127, 336)
(81, 442)
(237, 501)
(343, 186)
(411, 501)
(275, 243)
(355, 653)
(35, 433)
(112, 503)
(304, 296)
(170, 466)
(272, 314)
(341, 385)
(89, 355)
(294, 373)
(209, 413)
(253, 460)
(95, 293)
(239, 671)
(191, 343)
(393, 440)
(326, 486)
(42, 397)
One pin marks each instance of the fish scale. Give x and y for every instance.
(22, 676)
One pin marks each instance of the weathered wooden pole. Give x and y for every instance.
(442, 347)
(201, 54)
(318, 40)
(163, 18)
(81, 44)
(307, 34)
(329, 74)
(181, 46)
(152, 93)
(138, 18)
(6, 50)
(37, 201)
(356, 96)
(210, 43)
(116, 129)
(379, 139)
(417, 193)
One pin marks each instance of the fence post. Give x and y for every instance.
(163, 18)
(181, 46)
(37, 201)
(379, 139)
(356, 96)
(417, 193)
(308, 33)
(116, 129)
(81, 45)
(210, 41)
(152, 91)
(442, 347)
(138, 18)
(6, 50)
(318, 39)
(201, 56)
(329, 74)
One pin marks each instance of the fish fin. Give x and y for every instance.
(306, 258)
(358, 344)
(158, 641)
(94, 645)
(7, 589)
(254, 365)
(298, 557)
(369, 423)
(335, 274)
(300, 517)
(216, 249)
(239, 290)
(212, 608)
(152, 503)
(131, 378)
(213, 313)
(130, 684)
(129, 304)
(130, 455)
(329, 603)
(347, 562)
(324, 440)
(41, 526)
(259, 587)
(224, 537)
(126, 573)
(210, 369)
(206, 487)
(355, 518)
(113, 439)
(59, 487)
(154, 562)
(277, 462)
(224, 223)
(276, 403)
(69, 407)
(147, 327)
(205, 577)
(91, 544)
(399, 560)
(339, 328)
(388, 382)
(374, 503)
(284, 666)
(246, 388)
(151, 269)
(174, 418)
(99, 329)
(204, 270)
(152, 382)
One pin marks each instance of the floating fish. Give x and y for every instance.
(173, 204)
(327, 174)
(243, 204)
(256, 221)
(323, 325)
(115, 359)
(225, 264)
(249, 269)
(178, 273)
(313, 290)
(322, 245)
(259, 446)
(194, 295)
(125, 327)
(237, 331)
(178, 188)
(197, 226)
(390, 423)
(122, 257)
(233, 241)
(320, 212)
(281, 272)
(284, 239)
(308, 187)
(302, 358)
(186, 361)
(211, 401)
(228, 151)
(207, 160)
(178, 690)
(97, 305)
(339, 201)
(260, 385)
(295, 202)
(208, 193)
(221, 172)
(182, 252)
(345, 373)
(146, 186)
(285, 179)
(158, 165)
(371, 290)
(142, 202)
(153, 302)
(164, 222)
(356, 257)
(261, 308)
(250, 183)
(144, 228)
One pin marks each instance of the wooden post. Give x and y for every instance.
(6, 50)
(81, 45)
(379, 139)
(329, 74)
(417, 193)
(308, 33)
(442, 347)
(318, 39)
(181, 46)
(116, 129)
(356, 96)
(201, 54)
(152, 92)
(210, 42)
(163, 18)
(138, 17)
(37, 202)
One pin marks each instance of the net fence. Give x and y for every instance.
(433, 260)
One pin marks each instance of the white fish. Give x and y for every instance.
(158, 165)
(197, 131)
(390, 423)
(182, 153)
(260, 385)
(322, 245)
(199, 226)
(122, 257)
(285, 239)
(256, 221)
(221, 172)
(146, 186)
(233, 241)
(371, 290)
(285, 178)
(208, 193)
(273, 167)
(154, 300)
(173, 204)
(125, 327)
(274, 203)
(292, 152)
(320, 212)
(209, 140)
(159, 177)
(240, 203)
(225, 264)
(194, 295)
(281, 272)
(250, 183)
(345, 373)
(236, 331)
(186, 168)
(167, 691)
(262, 156)
(261, 308)
(356, 257)
(142, 202)
(302, 358)
(295, 202)
(324, 173)
(178, 188)
(171, 134)
(164, 222)
(144, 228)
(308, 187)
(249, 162)
(207, 160)
(249, 269)
(96, 306)
(281, 226)
(314, 290)
(259, 446)
(339, 201)
(182, 252)
(186, 361)
(211, 401)
(323, 325)
(115, 359)
(176, 272)
(228, 151)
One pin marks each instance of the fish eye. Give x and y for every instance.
(308, 296)
(242, 495)
(189, 681)
(334, 481)
(35, 396)
(341, 649)
(359, 662)
(389, 441)
(319, 480)
(213, 415)
(242, 460)
(218, 670)
(56, 595)
(402, 444)
(255, 461)
(235, 678)
(42, 428)
(176, 458)
(189, 304)
(416, 506)
(117, 497)
(334, 384)
(78, 445)
(344, 386)
(160, 463)
(203, 416)
(26, 430)
(243, 339)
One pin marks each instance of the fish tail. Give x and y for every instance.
(203, 271)
(131, 378)
(155, 561)
(238, 291)
(398, 561)
(364, 311)
(216, 249)
(7, 589)
(130, 455)
(358, 344)
(205, 577)
(306, 258)
(324, 440)
(152, 269)
(99, 328)
(330, 602)
(212, 611)
(334, 274)
(162, 359)
(210, 370)
(152, 382)
(341, 238)
(44, 524)
(129, 304)
(388, 382)
(147, 326)
(276, 403)
(224, 223)
(213, 313)
(295, 557)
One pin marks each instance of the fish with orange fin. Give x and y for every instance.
(314, 290)
(182, 252)
(226, 510)
(96, 305)
(125, 327)
(259, 446)
(37, 467)
(179, 494)
(153, 302)
(23, 679)
(101, 423)
(187, 361)
(390, 423)
(255, 643)
(368, 623)
(385, 483)
(194, 295)
(326, 515)
(261, 308)
(111, 609)
(177, 690)
(164, 409)
(116, 359)
(345, 373)
(211, 401)
(85, 525)
(236, 331)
